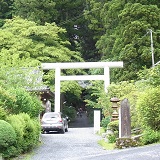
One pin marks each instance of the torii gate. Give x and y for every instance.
(84, 65)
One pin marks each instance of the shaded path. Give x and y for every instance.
(81, 122)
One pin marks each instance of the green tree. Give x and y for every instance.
(93, 17)
(72, 18)
(18, 100)
(68, 14)
(25, 39)
(5, 10)
(125, 34)
(25, 103)
(39, 11)
(148, 107)
(150, 77)
(26, 44)
(96, 97)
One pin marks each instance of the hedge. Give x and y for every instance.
(7, 138)
(27, 132)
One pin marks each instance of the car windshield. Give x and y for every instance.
(51, 115)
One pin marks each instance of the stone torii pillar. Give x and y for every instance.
(84, 65)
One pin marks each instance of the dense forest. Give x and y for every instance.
(108, 30)
(35, 31)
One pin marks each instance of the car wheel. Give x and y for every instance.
(62, 130)
(66, 129)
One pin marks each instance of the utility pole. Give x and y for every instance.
(152, 49)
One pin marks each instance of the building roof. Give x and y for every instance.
(44, 91)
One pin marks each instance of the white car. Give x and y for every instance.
(54, 121)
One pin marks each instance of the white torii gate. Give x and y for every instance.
(85, 65)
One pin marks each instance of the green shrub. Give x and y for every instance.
(18, 124)
(11, 151)
(150, 136)
(148, 107)
(114, 125)
(3, 114)
(6, 99)
(105, 121)
(18, 100)
(111, 138)
(7, 138)
(25, 102)
(31, 133)
(27, 130)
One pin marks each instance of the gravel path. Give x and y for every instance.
(76, 143)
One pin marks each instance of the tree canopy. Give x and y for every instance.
(25, 39)
(100, 30)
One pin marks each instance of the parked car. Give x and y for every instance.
(54, 121)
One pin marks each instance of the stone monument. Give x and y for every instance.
(124, 120)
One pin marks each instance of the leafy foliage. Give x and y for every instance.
(39, 11)
(27, 131)
(17, 100)
(26, 44)
(6, 99)
(5, 10)
(150, 136)
(114, 127)
(105, 121)
(126, 35)
(70, 112)
(3, 114)
(99, 98)
(73, 88)
(27, 40)
(148, 108)
(150, 76)
(31, 132)
(28, 77)
(96, 97)
(118, 28)
(9, 139)
(25, 103)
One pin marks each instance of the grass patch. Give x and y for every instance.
(102, 130)
(105, 145)
(26, 156)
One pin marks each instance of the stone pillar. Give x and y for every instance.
(114, 101)
(124, 120)
(97, 118)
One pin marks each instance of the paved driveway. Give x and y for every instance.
(81, 144)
